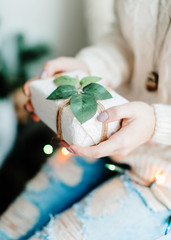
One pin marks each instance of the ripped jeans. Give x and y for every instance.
(115, 210)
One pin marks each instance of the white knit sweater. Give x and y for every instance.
(129, 40)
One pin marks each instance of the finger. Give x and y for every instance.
(125, 139)
(64, 144)
(102, 149)
(56, 75)
(117, 144)
(116, 113)
(26, 89)
(29, 107)
(54, 66)
(118, 157)
(35, 117)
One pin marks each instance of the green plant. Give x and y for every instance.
(83, 95)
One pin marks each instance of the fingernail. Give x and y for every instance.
(62, 145)
(102, 117)
(35, 117)
(70, 150)
(28, 108)
(43, 75)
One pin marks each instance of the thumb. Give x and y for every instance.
(116, 113)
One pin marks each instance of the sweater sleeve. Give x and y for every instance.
(162, 132)
(110, 57)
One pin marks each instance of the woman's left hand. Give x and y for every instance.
(138, 123)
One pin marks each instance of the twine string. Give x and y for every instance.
(65, 103)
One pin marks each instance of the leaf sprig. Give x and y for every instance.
(83, 98)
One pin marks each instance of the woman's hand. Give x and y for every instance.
(138, 123)
(56, 66)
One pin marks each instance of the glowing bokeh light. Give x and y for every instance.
(48, 149)
(111, 167)
(159, 177)
(64, 151)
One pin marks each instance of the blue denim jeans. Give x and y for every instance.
(113, 210)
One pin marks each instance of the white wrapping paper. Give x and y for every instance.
(73, 132)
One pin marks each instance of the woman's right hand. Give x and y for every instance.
(56, 66)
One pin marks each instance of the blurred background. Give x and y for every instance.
(31, 33)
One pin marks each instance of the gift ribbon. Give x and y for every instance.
(65, 103)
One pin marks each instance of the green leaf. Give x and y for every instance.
(97, 90)
(65, 80)
(83, 107)
(62, 92)
(87, 80)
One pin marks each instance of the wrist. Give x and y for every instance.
(162, 133)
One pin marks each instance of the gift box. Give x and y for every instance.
(58, 114)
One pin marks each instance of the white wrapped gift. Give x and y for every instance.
(71, 130)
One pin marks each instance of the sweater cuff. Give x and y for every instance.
(162, 132)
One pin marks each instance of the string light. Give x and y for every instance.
(159, 177)
(48, 149)
(110, 167)
(64, 151)
(63, 154)
(115, 168)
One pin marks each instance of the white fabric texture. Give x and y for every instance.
(163, 124)
(73, 132)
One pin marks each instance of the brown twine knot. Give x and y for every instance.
(65, 103)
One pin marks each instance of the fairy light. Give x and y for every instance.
(48, 149)
(159, 177)
(110, 167)
(115, 168)
(63, 154)
(64, 151)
